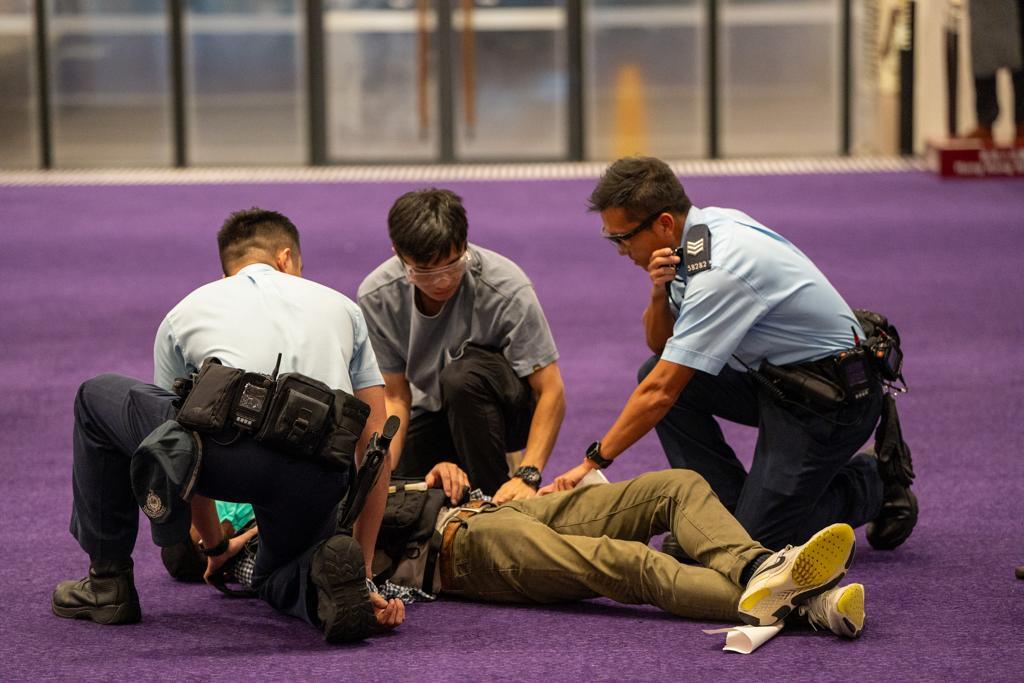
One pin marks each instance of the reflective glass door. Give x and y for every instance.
(381, 80)
(646, 81)
(510, 79)
(780, 62)
(110, 82)
(245, 82)
(19, 131)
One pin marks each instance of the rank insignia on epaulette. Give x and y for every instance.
(697, 249)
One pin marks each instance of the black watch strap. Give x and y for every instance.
(218, 549)
(594, 453)
(530, 476)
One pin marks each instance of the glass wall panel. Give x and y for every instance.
(645, 78)
(780, 80)
(510, 78)
(381, 80)
(19, 131)
(245, 64)
(110, 83)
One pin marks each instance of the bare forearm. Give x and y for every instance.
(402, 410)
(367, 525)
(647, 405)
(641, 413)
(398, 400)
(544, 428)
(204, 519)
(658, 320)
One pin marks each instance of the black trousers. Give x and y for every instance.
(986, 103)
(485, 413)
(802, 477)
(295, 501)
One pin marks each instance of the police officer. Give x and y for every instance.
(744, 295)
(261, 308)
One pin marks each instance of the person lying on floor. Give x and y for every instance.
(592, 542)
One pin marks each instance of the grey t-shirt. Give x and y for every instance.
(495, 307)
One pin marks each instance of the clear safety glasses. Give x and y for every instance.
(452, 271)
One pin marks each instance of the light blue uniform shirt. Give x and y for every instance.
(761, 299)
(247, 319)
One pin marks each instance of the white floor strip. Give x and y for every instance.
(446, 173)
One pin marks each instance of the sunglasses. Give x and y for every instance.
(621, 237)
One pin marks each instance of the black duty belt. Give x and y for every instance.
(293, 414)
(827, 383)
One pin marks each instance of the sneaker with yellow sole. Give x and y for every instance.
(840, 610)
(795, 574)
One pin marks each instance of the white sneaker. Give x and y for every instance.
(841, 610)
(794, 575)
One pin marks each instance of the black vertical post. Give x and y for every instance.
(846, 78)
(445, 82)
(574, 40)
(43, 85)
(176, 19)
(316, 90)
(712, 58)
(952, 75)
(907, 84)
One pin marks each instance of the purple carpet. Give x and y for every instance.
(86, 274)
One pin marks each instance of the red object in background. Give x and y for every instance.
(960, 158)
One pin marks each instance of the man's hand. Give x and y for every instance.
(448, 476)
(567, 481)
(389, 613)
(213, 564)
(513, 489)
(662, 267)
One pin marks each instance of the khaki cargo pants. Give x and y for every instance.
(592, 542)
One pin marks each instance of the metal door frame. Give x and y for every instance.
(316, 84)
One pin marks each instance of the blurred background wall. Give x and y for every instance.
(90, 83)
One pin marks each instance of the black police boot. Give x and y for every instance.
(107, 595)
(343, 605)
(896, 521)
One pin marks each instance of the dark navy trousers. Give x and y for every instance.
(486, 412)
(804, 474)
(295, 501)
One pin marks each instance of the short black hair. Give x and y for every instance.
(255, 230)
(641, 186)
(427, 224)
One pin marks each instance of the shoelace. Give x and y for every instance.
(815, 611)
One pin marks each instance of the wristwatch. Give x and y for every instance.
(594, 453)
(218, 549)
(530, 476)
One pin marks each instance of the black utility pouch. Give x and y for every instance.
(299, 417)
(209, 402)
(348, 417)
(409, 519)
(854, 374)
(252, 402)
(409, 516)
(882, 341)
